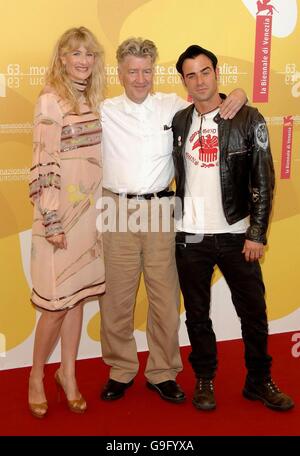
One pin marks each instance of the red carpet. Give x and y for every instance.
(142, 412)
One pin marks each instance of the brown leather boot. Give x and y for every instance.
(267, 392)
(204, 397)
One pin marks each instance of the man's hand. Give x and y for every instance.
(233, 103)
(58, 240)
(253, 250)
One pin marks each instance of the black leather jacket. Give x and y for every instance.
(246, 167)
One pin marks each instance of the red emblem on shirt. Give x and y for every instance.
(208, 150)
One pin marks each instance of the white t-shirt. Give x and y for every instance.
(203, 209)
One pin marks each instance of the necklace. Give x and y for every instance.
(207, 112)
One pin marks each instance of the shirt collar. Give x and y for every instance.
(131, 107)
(207, 115)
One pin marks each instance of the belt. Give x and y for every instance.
(148, 196)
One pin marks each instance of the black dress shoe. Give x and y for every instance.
(204, 397)
(267, 392)
(114, 390)
(168, 390)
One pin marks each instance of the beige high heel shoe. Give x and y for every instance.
(76, 405)
(38, 410)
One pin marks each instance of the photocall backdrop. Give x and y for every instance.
(258, 48)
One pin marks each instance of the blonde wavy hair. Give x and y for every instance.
(138, 47)
(57, 77)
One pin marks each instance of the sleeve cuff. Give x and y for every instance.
(256, 234)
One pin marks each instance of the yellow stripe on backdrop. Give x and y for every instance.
(27, 34)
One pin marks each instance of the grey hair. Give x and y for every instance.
(138, 48)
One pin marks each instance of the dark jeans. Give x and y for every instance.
(195, 264)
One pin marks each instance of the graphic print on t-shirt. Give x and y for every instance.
(203, 207)
(206, 143)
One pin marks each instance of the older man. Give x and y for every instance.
(137, 161)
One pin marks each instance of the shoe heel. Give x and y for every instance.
(58, 386)
(151, 386)
(38, 410)
(250, 396)
(76, 405)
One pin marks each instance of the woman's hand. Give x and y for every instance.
(58, 240)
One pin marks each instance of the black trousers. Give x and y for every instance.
(195, 264)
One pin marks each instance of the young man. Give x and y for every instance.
(225, 179)
(138, 167)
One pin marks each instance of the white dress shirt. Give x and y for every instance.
(137, 142)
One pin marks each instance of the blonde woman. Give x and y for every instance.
(65, 183)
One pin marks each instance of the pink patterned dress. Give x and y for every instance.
(65, 184)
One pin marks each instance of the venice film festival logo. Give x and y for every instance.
(265, 6)
(262, 55)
